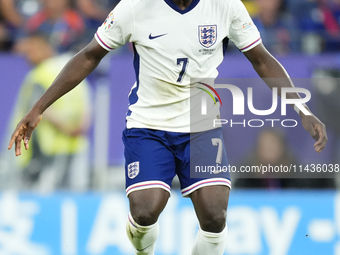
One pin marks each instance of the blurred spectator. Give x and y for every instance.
(94, 13)
(276, 27)
(326, 94)
(10, 20)
(57, 157)
(319, 23)
(251, 7)
(5, 42)
(10, 13)
(13, 14)
(330, 17)
(63, 25)
(272, 148)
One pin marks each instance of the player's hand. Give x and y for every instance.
(316, 129)
(24, 131)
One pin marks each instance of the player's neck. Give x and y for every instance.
(182, 4)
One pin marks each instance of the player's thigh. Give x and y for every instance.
(146, 205)
(150, 168)
(211, 203)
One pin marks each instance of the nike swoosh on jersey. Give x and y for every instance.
(154, 37)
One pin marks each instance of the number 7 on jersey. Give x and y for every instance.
(184, 63)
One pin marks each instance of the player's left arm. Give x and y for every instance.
(268, 67)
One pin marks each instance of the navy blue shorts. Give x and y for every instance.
(154, 157)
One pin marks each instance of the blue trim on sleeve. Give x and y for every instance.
(133, 98)
(225, 44)
(245, 48)
(107, 47)
(177, 9)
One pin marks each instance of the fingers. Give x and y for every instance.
(24, 131)
(27, 136)
(13, 138)
(26, 144)
(16, 138)
(317, 130)
(322, 138)
(18, 145)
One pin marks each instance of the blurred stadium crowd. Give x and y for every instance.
(44, 29)
(69, 24)
(286, 26)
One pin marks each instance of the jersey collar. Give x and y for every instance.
(177, 9)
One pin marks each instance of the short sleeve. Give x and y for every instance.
(117, 28)
(242, 30)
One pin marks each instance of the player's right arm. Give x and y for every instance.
(76, 70)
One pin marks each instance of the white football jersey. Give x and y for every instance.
(171, 48)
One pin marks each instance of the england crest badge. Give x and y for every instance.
(133, 169)
(207, 35)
